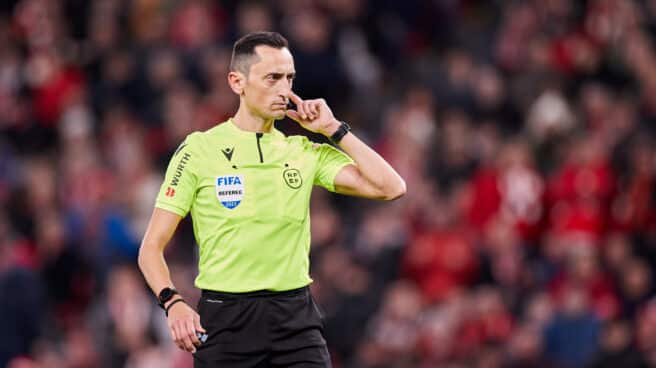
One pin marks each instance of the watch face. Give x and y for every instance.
(166, 294)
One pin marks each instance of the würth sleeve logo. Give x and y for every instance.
(184, 160)
(170, 192)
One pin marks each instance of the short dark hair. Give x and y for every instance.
(243, 52)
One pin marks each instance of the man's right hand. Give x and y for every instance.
(183, 323)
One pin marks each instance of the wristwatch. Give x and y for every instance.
(165, 295)
(340, 133)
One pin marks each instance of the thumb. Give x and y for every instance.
(294, 115)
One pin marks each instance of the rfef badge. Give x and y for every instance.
(292, 178)
(230, 190)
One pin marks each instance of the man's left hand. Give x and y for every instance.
(313, 115)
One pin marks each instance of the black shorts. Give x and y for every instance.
(261, 329)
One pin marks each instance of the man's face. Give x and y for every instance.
(269, 82)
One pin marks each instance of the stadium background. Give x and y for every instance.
(524, 130)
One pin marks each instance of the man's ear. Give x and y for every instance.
(236, 80)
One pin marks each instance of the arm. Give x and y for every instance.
(160, 229)
(371, 176)
(183, 321)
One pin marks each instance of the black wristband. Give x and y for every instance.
(166, 311)
(340, 133)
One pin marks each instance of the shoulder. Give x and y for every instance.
(187, 145)
(302, 142)
(198, 140)
(190, 140)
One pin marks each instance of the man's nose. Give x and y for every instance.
(286, 87)
(285, 90)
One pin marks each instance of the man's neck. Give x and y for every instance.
(247, 121)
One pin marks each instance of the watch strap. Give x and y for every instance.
(340, 133)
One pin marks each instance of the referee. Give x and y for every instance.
(248, 188)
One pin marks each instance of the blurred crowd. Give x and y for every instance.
(524, 130)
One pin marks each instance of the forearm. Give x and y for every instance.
(154, 267)
(151, 261)
(378, 173)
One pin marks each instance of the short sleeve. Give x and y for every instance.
(330, 162)
(179, 187)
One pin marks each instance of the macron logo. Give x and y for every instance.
(227, 152)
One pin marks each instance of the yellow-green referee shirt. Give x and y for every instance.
(249, 196)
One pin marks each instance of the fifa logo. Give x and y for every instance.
(228, 180)
(230, 190)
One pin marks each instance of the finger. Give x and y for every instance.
(299, 104)
(173, 334)
(174, 331)
(186, 339)
(301, 110)
(178, 332)
(295, 99)
(189, 346)
(177, 338)
(198, 327)
(307, 107)
(294, 115)
(315, 108)
(188, 334)
(191, 331)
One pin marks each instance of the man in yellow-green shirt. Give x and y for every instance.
(248, 187)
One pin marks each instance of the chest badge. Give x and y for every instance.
(230, 190)
(292, 178)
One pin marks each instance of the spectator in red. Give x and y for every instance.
(579, 194)
(441, 257)
(511, 191)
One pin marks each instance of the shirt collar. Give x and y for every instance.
(274, 134)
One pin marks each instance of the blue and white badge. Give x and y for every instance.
(230, 190)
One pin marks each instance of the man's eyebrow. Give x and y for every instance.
(280, 75)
